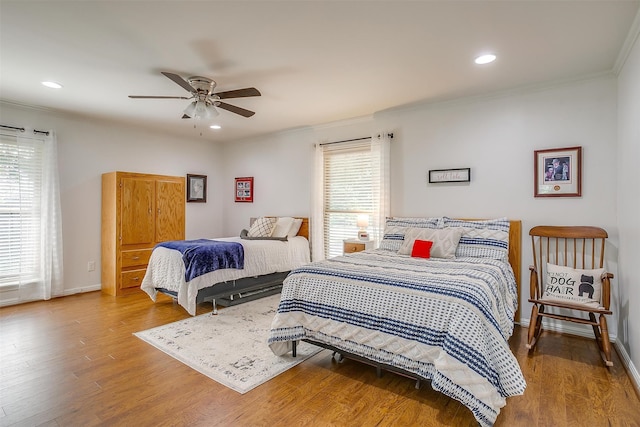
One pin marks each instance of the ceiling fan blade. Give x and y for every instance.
(239, 93)
(184, 116)
(157, 97)
(237, 110)
(179, 80)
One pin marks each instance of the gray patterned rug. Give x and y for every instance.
(231, 347)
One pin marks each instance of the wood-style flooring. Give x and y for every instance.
(73, 361)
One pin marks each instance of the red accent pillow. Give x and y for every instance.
(422, 249)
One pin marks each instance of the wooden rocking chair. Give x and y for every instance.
(570, 247)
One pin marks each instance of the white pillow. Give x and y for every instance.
(575, 286)
(262, 227)
(445, 241)
(282, 227)
(295, 227)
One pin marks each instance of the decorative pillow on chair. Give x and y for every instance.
(262, 227)
(421, 249)
(395, 228)
(445, 241)
(571, 285)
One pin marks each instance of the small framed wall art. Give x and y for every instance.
(196, 188)
(244, 189)
(450, 175)
(558, 172)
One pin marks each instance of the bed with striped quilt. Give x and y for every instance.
(444, 320)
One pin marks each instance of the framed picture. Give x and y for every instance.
(450, 175)
(244, 189)
(196, 188)
(558, 172)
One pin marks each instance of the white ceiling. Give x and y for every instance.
(315, 62)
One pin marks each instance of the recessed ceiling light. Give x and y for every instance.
(485, 59)
(52, 85)
(215, 127)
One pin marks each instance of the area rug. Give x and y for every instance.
(230, 347)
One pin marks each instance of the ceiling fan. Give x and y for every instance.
(204, 99)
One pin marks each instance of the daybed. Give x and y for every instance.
(267, 261)
(445, 319)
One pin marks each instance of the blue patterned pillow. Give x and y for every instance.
(395, 229)
(482, 239)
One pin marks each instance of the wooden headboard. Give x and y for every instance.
(515, 258)
(304, 228)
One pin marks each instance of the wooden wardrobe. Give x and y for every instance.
(138, 211)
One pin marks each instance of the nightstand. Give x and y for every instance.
(356, 245)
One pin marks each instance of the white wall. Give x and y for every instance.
(87, 149)
(629, 204)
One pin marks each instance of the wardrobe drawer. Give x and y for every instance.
(132, 279)
(135, 258)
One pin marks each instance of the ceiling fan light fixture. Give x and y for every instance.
(190, 110)
(212, 111)
(215, 127)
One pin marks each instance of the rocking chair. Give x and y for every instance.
(566, 264)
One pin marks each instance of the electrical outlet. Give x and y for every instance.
(91, 266)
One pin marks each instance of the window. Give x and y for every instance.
(30, 220)
(20, 184)
(349, 183)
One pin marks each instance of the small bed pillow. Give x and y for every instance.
(445, 241)
(571, 285)
(295, 227)
(262, 227)
(421, 249)
(482, 239)
(282, 227)
(395, 229)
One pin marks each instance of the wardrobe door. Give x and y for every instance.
(138, 211)
(170, 210)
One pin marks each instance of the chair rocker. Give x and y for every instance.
(568, 248)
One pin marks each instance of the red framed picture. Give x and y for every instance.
(244, 189)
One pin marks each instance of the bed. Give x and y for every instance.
(442, 319)
(266, 263)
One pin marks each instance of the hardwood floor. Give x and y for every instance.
(73, 361)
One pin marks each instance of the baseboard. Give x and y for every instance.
(5, 302)
(81, 290)
(566, 328)
(628, 364)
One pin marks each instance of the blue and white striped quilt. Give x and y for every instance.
(445, 320)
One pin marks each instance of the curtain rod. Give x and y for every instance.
(43, 132)
(390, 135)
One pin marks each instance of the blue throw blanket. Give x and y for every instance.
(203, 256)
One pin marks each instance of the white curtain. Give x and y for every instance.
(40, 230)
(381, 150)
(51, 221)
(317, 213)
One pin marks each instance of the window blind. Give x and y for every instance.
(21, 167)
(349, 189)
